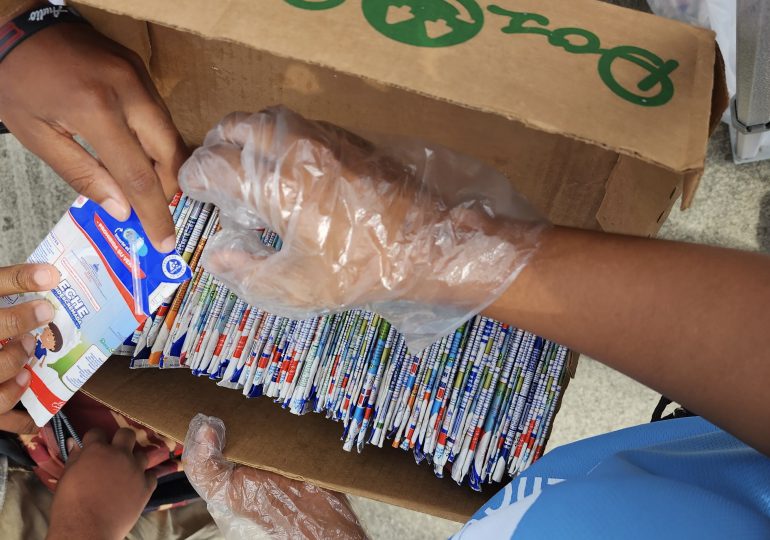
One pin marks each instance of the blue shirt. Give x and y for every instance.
(40, 351)
(681, 479)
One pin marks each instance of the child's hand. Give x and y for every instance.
(103, 490)
(15, 323)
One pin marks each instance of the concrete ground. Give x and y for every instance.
(732, 208)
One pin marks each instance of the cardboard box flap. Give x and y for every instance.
(263, 435)
(636, 83)
(638, 197)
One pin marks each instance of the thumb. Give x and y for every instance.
(250, 268)
(280, 282)
(205, 466)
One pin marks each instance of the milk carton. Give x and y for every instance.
(112, 279)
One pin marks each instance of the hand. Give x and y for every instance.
(15, 323)
(249, 503)
(421, 235)
(83, 84)
(103, 490)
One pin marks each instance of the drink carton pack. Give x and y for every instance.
(112, 279)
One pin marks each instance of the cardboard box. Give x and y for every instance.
(598, 114)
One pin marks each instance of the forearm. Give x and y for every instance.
(689, 321)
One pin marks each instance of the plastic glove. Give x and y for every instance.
(421, 235)
(250, 503)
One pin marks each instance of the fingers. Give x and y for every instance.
(14, 380)
(160, 140)
(236, 265)
(25, 317)
(202, 458)
(238, 127)
(267, 130)
(23, 278)
(14, 356)
(93, 436)
(135, 173)
(12, 389)
(19, 422)
(141, 458)
(151, 480)
(125, 439)
(213, 171)
(76, 166)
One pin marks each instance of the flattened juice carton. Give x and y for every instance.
(112, 279)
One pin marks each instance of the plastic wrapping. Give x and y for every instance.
(419, 234)
(719, 15)
(252, 504)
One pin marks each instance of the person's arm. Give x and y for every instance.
(690, 321)
(67, 80)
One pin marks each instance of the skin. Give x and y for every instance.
(98, 90)
(94, 89)
(693, 319)
(16, 323)
(103, 490)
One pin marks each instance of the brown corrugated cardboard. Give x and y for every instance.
(262, 434)
(554, 118)
(599, 115)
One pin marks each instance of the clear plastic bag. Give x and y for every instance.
(719, 15)
(248, 503)
(421, 235)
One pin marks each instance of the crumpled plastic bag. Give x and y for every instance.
(718, 15)
(421, 235)
(248, 503)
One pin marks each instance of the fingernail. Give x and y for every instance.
(116, 209)
(168, 244)
(70, 444)
(46, 278)
(28, 343)
(22, 379)
(44, 312)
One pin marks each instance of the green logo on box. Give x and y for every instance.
(653, 90)
(315, 4)
(444, 23)
(435, 23)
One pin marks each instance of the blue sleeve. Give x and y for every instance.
(676, 479)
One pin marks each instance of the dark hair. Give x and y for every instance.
(58, 342)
